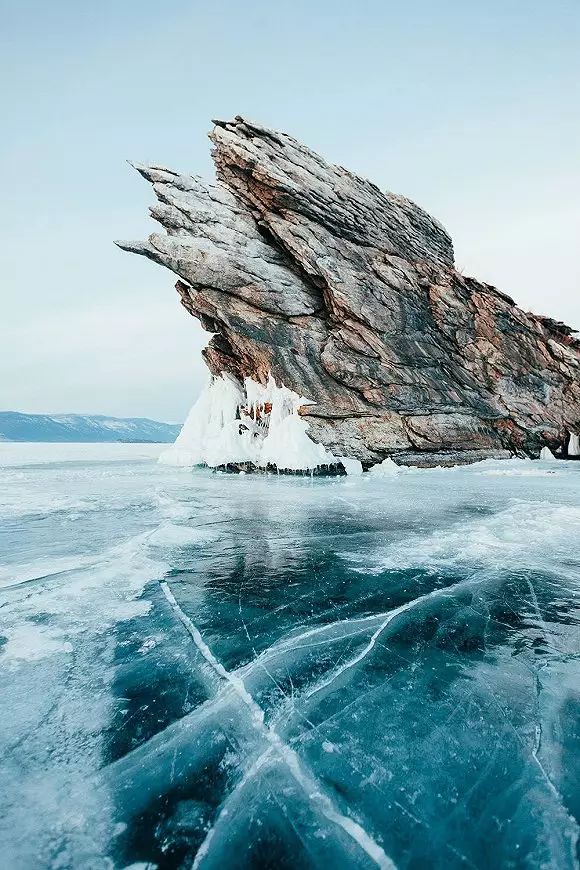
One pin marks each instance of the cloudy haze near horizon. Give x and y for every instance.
(471, 110)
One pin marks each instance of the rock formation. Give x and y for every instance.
(348, 296)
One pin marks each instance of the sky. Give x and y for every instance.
(469, 108)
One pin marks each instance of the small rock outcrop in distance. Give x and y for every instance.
(348, 296)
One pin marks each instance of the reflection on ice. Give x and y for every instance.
(373, 671)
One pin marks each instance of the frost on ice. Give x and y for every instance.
(258, 424)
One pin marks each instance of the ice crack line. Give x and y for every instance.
(358, 624)
(386, 619)
(302, 776)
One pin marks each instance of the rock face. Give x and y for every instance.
(348, 296)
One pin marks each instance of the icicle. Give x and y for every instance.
(259, 424)
(574, 445)
(208, 431)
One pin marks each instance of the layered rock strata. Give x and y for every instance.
(348, 295)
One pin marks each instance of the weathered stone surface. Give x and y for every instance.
(348, 296)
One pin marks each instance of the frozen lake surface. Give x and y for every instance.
(257, 671)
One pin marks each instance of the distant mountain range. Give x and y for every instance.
(15, 426)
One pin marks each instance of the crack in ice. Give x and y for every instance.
(389, 616)
(304, 779)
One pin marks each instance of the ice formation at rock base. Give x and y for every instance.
(255, 427)
(574, 445)
(259, 427)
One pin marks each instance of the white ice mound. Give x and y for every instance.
(206, 424)
(258, 424)
(386, 468)
(574, 445)
(353, 467)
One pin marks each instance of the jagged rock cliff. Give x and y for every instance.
(348, 296)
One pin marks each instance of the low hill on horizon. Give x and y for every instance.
(18, 426)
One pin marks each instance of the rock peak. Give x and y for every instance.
(348, 295)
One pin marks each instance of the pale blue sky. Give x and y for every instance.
(470, 108)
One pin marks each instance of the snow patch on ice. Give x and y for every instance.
(30, 642)
(518, 472)
(14, 575)
(70, 597)
(518, 467)
(532, 535)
